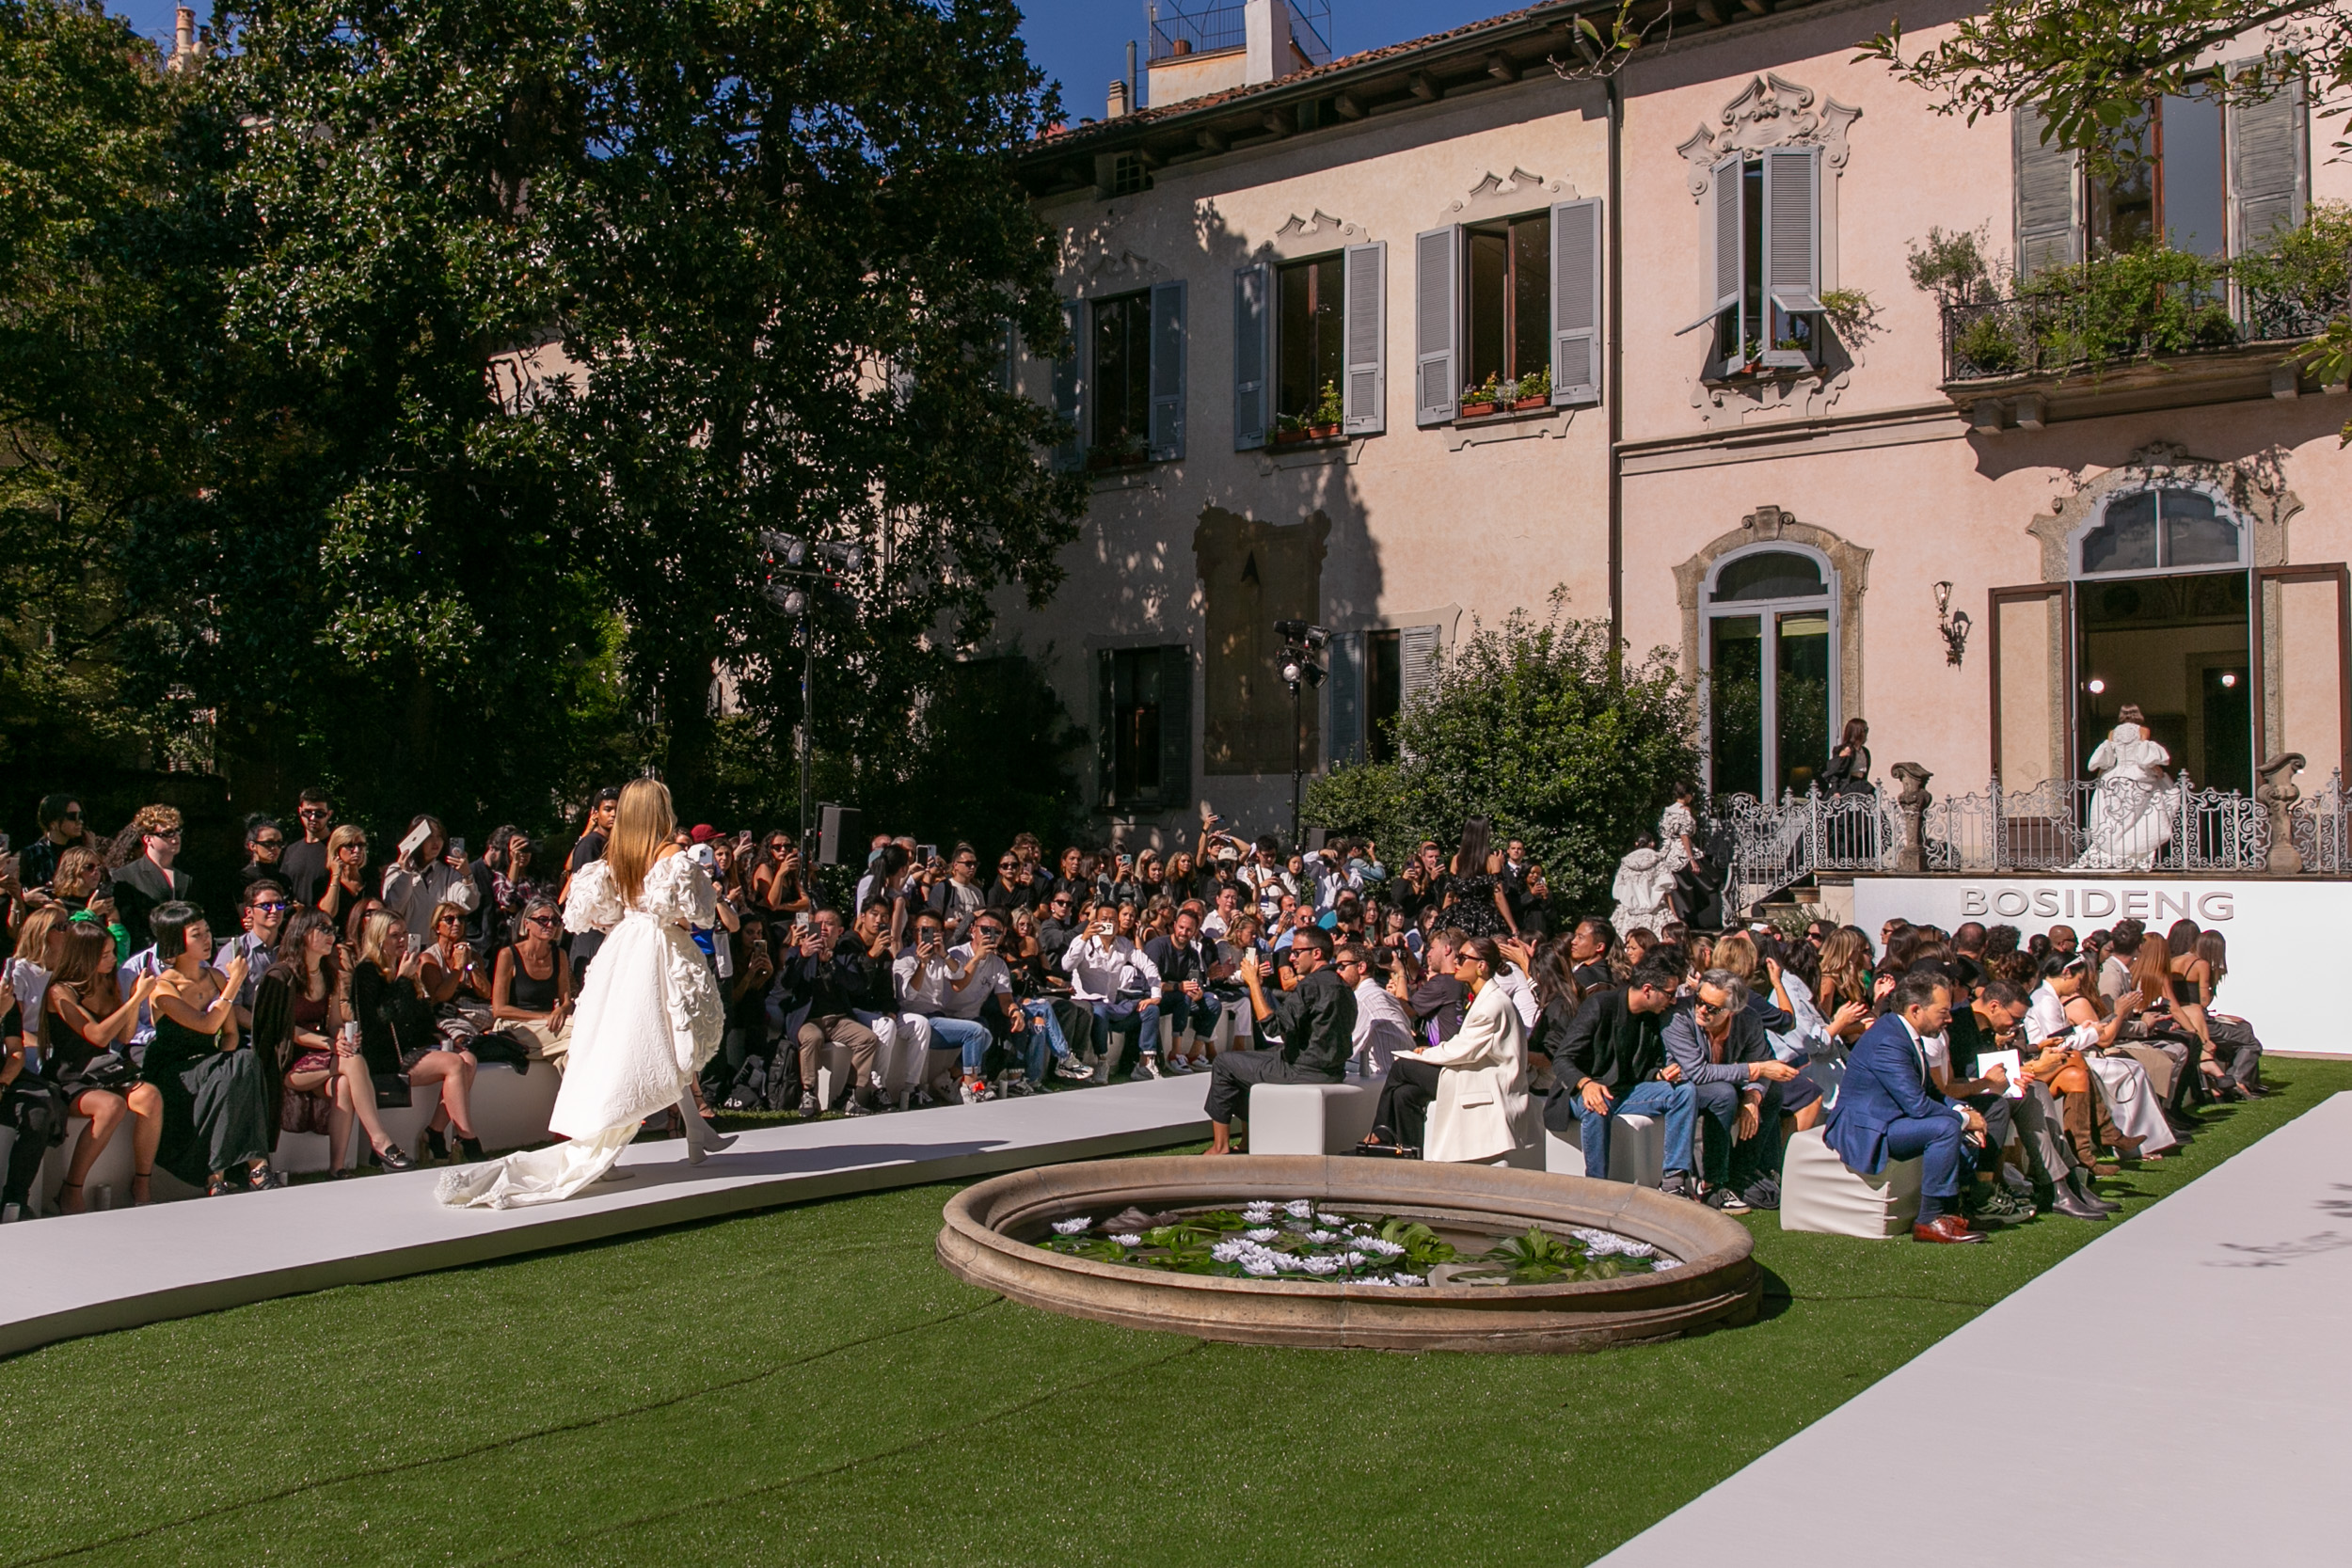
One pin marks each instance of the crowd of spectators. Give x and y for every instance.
(355, 975)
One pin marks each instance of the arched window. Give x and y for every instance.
(1771, 658)
(2163, 529)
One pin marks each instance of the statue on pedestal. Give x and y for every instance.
(2132, 807)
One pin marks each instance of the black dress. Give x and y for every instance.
(1473, 907)
(216, 1102)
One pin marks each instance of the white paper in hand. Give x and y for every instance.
(2007, 1061)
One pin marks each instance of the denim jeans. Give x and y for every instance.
(1185, 1012)
(1675, 1102)
(1112, 1018)
(1044, 1036)
(1937, 1142)
(968, 1034)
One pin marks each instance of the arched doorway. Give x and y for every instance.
(2161, 575)
(1771, 643)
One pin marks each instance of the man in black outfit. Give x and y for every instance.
(1614, 1062)
(602, 808)
(1588, 950)
(1441, 999)
(303, 865)
(1315, 1019)
(829, 974)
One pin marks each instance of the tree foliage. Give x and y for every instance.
(440, 368)
(1547, 729)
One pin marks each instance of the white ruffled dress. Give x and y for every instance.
(649, 1019)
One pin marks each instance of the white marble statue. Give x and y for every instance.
(1643, 889)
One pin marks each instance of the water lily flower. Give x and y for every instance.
(1261, 1235)
(1128, 1240)
(1299, 1208)
(1073, 1227)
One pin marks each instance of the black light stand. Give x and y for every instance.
(1300, 639)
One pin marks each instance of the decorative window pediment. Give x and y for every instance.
(1501, 196)
(1772, 111)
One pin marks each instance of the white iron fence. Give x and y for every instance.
(2049, 827)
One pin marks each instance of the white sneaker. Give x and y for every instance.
(1178, 1066)
(1069, 1067)
(1149, 1067)
(974, 1092)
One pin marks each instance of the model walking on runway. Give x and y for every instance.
(648, 1018)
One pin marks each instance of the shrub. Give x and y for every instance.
(1547, 729)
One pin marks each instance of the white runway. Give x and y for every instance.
(85, 1273)
(2177, 1392)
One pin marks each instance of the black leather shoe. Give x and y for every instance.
(2063, 1201)
(395, 1158)
(2079, 1185)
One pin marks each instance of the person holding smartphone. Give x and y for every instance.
(429, 872)
(1114, 981)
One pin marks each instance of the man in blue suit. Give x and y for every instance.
(1888, 1108)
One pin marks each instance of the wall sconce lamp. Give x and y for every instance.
(1953, 624)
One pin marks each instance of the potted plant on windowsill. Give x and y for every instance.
(1322, 423)
(1531, 390)
(1128, 450)
(1482, 400)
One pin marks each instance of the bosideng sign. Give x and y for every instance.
(2279, 931)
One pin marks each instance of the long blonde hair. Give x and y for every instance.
(645, 823)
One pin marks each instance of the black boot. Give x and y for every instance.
(436, 1147)
(471, 1149)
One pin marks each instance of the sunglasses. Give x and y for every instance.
(545, 920)
(271, 908)
(451, 920)
(309, 812)
(269, 843)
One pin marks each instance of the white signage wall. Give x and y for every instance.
(2280, 933)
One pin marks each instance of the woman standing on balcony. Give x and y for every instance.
(1851, 833)
(2132, 807)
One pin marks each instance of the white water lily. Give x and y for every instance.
(1260, 1267)
(1129, 1239)
(1299, 1208)
(1073, 1227)
(1378, 1247)
(1332, 1219)
(1662, 1263)
(1228, 1252)
(1317, 1264)
(1322, 1238)
(1263, 1234)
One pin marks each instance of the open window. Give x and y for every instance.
(1506, 314)
(1144, 728)
(1123, 389)
(1309, 348)
(1764, 238)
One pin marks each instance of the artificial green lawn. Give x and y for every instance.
(808, 1386)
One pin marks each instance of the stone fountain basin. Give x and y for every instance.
(991, 1230)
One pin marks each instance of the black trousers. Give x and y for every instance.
(1230, 1077)
(2000, 1116)
(1404, 1100)
(1728, 1159)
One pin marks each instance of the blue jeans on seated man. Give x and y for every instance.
(1044, 1037)
(1936, 1141)
(968, 1035)
(1137, 1016)
(1673, 1101)
(1183, 1013)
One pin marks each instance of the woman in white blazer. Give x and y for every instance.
(1472, 1089)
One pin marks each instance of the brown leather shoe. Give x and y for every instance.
(1946, 1228)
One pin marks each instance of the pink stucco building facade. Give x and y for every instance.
(1753, 441)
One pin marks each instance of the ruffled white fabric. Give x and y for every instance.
(649, 1019)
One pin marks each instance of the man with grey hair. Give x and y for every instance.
(1720, 1047)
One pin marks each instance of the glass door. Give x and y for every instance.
(1772, 674)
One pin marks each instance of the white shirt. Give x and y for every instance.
(991, 976)
(1521, 991)
(1384, 1030)
(922, 983)
(1099, 971)
(2046, 1016)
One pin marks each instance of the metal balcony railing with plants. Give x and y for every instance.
(2119, 308)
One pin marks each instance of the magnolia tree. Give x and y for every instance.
(1547, 729)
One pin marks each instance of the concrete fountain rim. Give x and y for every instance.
(1717, 1283)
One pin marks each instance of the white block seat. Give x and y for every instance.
(509, 1109)
(1637, 1150)
(109, 1174)
(1819, 1194)
(1309, 1118)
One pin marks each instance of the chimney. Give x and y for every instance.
(1266, 28)
(1119, 99)
(185, 52)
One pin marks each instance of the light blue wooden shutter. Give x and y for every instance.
(1792, 229)
(2269, 163)
(1436, 316)
(1069, 388)
(1366, 298)
(1725, 231)
(1576, 302)
(1416, 669)
(2049, 198)
(1347, 698)
(1254, 320)
(1167, 370)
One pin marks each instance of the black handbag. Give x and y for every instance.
(392, 1091)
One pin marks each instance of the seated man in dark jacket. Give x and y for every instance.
(829, 975)
(1718, 1041)
(1889, 1108)
(1315, 1020)
(1613, 1062)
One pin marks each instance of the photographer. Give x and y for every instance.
(430, 872)
(831, 974)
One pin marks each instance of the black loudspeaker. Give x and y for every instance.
(838, 832)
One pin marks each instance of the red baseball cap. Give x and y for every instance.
(703, 833)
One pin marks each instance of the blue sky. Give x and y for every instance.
(1082, 43)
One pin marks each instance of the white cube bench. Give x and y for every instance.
(1309, 1118)
(1637, 1150)
(108, 1183)
(1819, 1194)
(511, 1109)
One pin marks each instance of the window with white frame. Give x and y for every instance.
(1310, 347)
(1510, 301)
(1763, 230)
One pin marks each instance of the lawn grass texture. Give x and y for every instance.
(808, 1386)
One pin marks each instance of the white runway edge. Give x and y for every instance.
(86, 1274)
(2179, 1391)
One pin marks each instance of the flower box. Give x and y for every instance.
(1101, 458)
(1309, 432)
(1525, 404)
(1477, 410)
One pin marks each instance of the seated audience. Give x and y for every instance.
(399, 1050)
(1465, 1100)
(297, 1014)
(86, 1028)
(531, 984)
(1718, 1041)
(214, 1090)
(1186, 964)
(1889, 1109)
(1612, 1062)
(1313, 1021)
